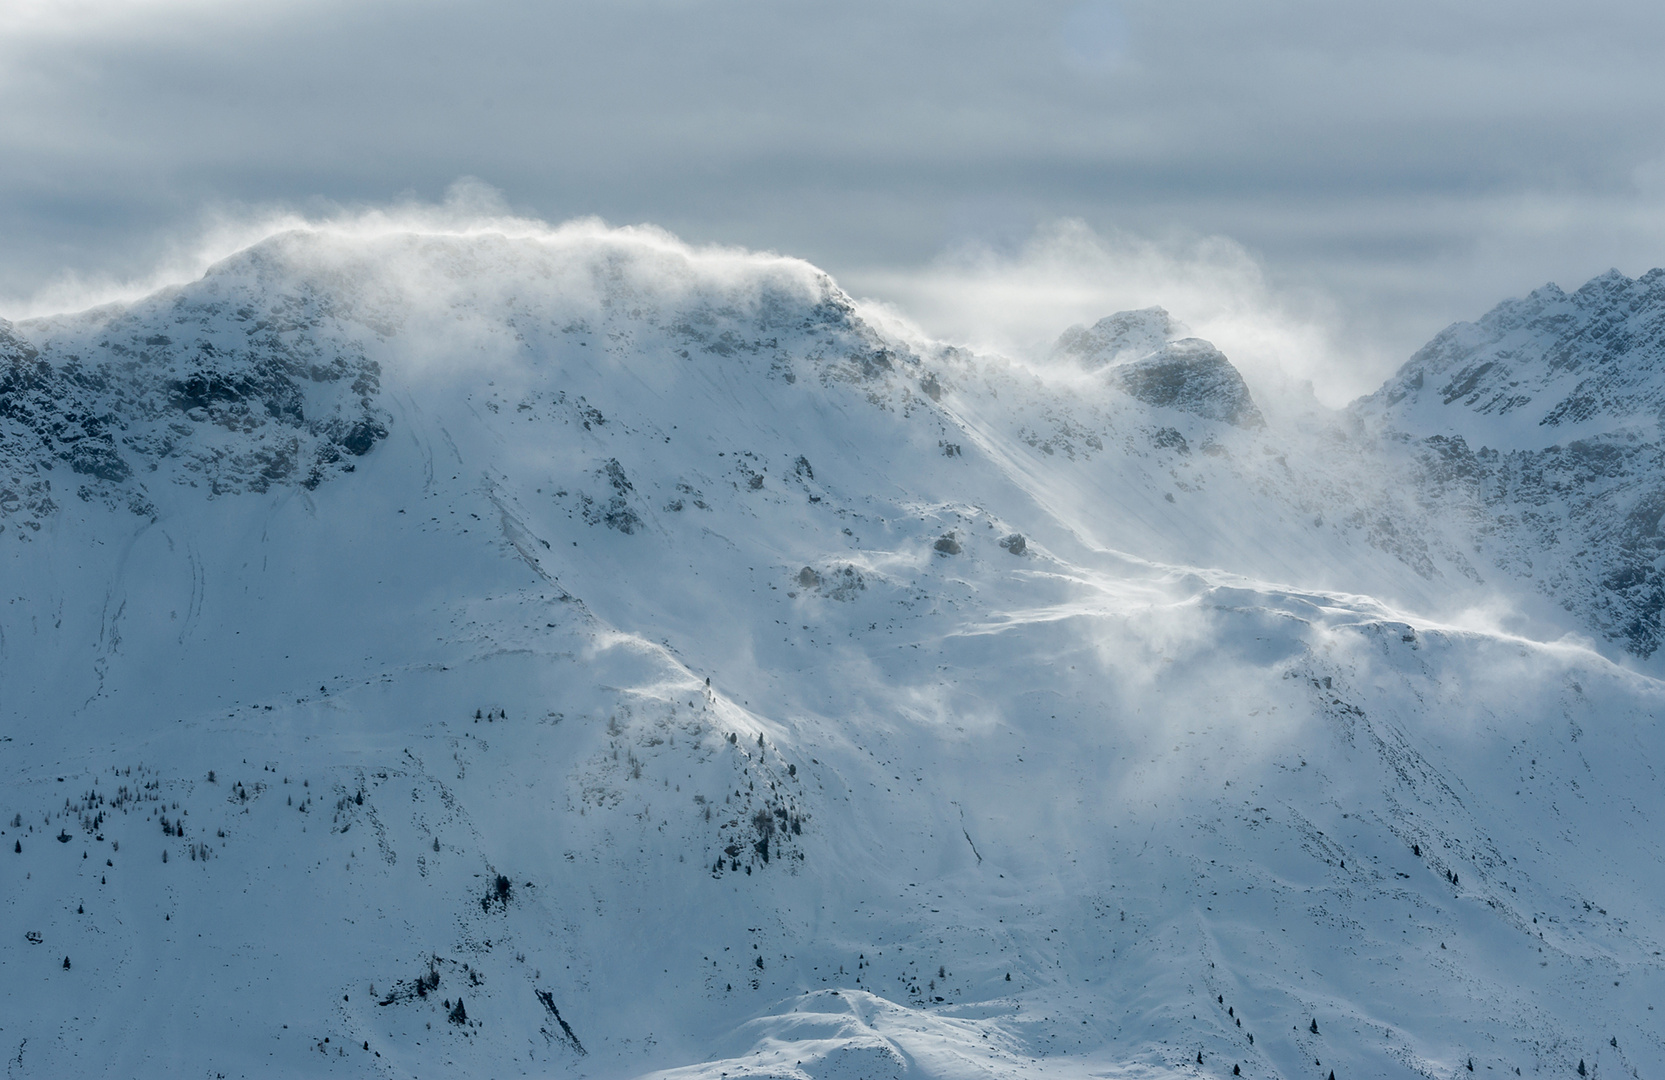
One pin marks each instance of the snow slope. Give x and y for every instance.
(694, 677)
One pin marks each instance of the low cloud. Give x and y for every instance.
(1415, 165)
(1291, 341)
(1016, 303)
(469, 206)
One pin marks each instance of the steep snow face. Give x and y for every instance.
(1539, 427)
(695, 681)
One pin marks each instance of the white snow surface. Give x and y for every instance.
(1084, 738)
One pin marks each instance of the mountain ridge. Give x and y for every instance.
(1597, 355)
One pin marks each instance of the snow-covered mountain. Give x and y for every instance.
(580, 654)
(1540, 428)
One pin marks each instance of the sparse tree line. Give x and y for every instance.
(772, 825)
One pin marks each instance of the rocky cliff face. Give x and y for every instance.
(1192, 376)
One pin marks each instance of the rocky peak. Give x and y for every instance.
(1126, 335)
(1190, 375)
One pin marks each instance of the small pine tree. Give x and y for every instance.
(1582, 1071)
(17, 847)
(66, 963)
(458, 1014)
(1314, 1028)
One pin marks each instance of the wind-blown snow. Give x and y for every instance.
(638, 646)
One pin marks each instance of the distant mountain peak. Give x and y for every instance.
(1541, 370)
(1126, 335)
(1542, 424)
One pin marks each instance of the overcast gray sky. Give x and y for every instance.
(1378, 169)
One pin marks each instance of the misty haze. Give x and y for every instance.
(922, 621)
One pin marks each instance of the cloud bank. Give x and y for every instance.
(1413, 165)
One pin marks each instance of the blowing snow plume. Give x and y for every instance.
(1016, 303)
(598, 648)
